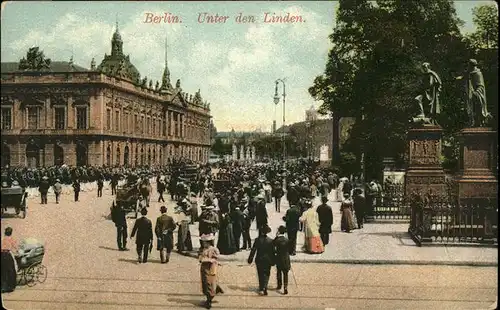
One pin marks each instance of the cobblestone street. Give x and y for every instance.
(86, 271)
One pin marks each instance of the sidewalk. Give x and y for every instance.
(376, 243)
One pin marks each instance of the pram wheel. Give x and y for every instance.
(41, 275)
(30, 274)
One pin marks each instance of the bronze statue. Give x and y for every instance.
(475, 96)
(429, 99)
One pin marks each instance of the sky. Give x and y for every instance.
(234, 65)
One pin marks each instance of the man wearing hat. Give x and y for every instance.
(238, 221)
(164, 230)
(144, 240)
(44, 189)
(57, 189)
(277, 193)
(248, 216)
(325, 215)
(282, 254)
(263, 251)
(261, 212)
(291, 219)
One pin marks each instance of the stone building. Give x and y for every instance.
(60, 113)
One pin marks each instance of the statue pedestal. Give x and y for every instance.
(424, 173)
(477, 182)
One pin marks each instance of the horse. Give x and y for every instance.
(145, 190)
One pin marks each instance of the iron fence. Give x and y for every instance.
(439, 221)
(390, 204)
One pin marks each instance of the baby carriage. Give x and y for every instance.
(29, 262)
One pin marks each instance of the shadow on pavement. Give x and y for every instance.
(107, 248)
(243, 288)
(195, 302)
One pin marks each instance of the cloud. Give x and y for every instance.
(235, 74)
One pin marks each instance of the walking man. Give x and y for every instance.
(164, 230)
(282, 254)
(160, 187)
(144, 240)
(247, 223)
(44, 189)
(76, 188)
(291, 219)
(100, 185)
(359, 204)
(325, 216)
(118, 216)
(263, 251)
(277, 193)
(57, 190)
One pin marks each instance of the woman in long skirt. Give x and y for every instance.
(184, 242)
(9, 266)
(208, 269)
(312, 237)
(347, 220)
(226, 243)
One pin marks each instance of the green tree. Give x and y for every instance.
(218, 148)
(373, 70)
(485, 18)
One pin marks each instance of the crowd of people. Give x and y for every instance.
(233, 200)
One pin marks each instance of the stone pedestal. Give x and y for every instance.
(424, 173)
(477, 182)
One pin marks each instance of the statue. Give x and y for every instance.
(475, 96)
(92, 64)
(150, 84)
(122, 72)
(429, 99)
(157, 86)
(178, 83)
(144, 82)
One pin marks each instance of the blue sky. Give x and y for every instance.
(234, 65)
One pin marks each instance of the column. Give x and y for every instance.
(71, 113)
(48, 114)
(169, 123)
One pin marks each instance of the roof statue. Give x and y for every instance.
(178, 83)
(92, 64)
(197, 98)
(150, 84)
(34, 60)
(157, 86)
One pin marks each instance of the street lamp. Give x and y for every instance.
(276, 101)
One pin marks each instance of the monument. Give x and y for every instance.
(477, 182)
(242, 152)
(235, 152)
(424, 174)
(323, 153)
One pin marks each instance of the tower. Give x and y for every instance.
(165, 82)
(116, 43)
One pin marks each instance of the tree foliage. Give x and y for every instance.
(373, 70)
(485, 18)
(34, 60)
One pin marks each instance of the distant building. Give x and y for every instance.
(60, 113)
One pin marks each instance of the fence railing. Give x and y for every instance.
(390, 204)
(442, 222)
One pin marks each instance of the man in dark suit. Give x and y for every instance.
(291, 219)
(325, 216)
(164, 230)
(144, 229)
(118, 216)
(282, 254)
(263, 250)
(359, 204)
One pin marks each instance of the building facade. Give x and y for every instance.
(60, 113)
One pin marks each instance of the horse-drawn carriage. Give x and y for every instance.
(14, 197)
(133, 197)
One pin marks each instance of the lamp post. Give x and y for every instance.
(276, 101)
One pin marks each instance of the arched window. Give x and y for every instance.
(32, 155)
(126, 156)
(58, 155)
(118, 154)
(81, 154)
(108, 156)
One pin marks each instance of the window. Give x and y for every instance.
(6, 118)
(60, 118)
(81, 118)
(164, 127)
(148, 126)
(108, 119)
(143, 124)
(125, 121)
(136, 123)
(33, 118)
(117, 120)
(154, 127)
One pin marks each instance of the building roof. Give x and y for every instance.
(55, 66)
